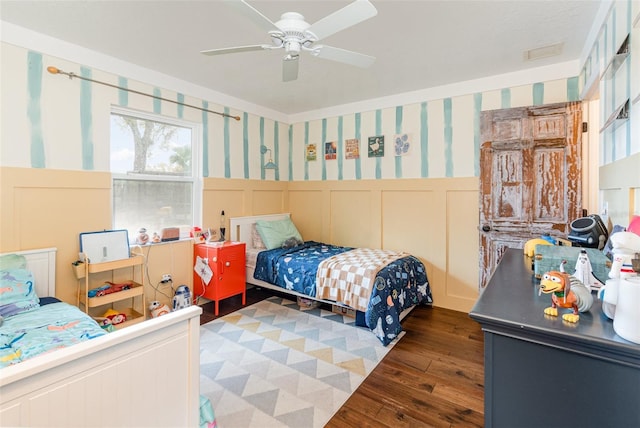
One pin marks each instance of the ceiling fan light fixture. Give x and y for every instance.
(294, 34)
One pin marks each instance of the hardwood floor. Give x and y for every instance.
(434, 376)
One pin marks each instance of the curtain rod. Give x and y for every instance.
(55, 70)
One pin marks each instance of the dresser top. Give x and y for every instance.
(510, 305)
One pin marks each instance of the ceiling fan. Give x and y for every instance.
(293, 34)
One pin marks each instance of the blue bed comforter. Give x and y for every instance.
(45, 329)
(401, 284)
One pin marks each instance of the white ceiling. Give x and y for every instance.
(418, 44)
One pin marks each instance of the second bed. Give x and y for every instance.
(381, 285)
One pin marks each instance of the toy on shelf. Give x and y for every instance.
(114, 316)
(108, 288)
(566, 291)
(143, 236)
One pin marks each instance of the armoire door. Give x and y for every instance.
(530, 177)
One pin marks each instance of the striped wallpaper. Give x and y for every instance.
(443, 134)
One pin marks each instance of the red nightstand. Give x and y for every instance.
(227, 261)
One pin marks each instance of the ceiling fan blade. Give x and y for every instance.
(352, 14)
(289, 69)
(253, 14)
(234, 50)
(343, 55)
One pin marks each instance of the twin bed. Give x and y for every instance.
(382, 286)
(116, 379)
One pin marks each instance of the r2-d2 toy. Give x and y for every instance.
(181, 298)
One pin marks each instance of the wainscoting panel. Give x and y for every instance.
(434, 219)
(351, 217)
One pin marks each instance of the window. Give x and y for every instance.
(156, 179)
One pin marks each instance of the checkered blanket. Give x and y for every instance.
(349, 277)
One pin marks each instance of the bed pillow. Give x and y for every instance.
(12, 261)
(274, 233)
(17, 292)
(256, 240)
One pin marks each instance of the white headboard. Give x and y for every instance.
(241, 226)
(42, 263)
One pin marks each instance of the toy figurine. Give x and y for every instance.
(566, 291)
(115, 316)
(182, 298)
(156, 238)
(158, 309)
(143, 236)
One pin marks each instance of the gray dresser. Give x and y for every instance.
(541, 371)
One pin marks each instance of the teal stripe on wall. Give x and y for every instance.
(379, 132)
(227, 155)
(477, 109)
(448, 138)
(398, 159)
(323, 141)
(359, 138)
(505, 98)
(572, 89)
(205, 140)
(306, 144)
(86, 120)
(34, 113)
(538, 94)
(123, 95)
(157, 104)
(424, 141)
(245, 142)
(180, 99)
(340, 148)
(262, 171)
(614, 131)
(628, 123)
(276, 149)
(290, 157)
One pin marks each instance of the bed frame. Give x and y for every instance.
(143, 375)
(241, 232)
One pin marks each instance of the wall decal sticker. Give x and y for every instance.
(352, 149)
(376, 146)
(402, 144)
(330, 150)
(311, 152)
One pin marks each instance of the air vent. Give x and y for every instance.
(543, 52)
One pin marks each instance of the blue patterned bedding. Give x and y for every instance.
(401, 284)
(45, 329)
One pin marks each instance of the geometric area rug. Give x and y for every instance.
(273, 364)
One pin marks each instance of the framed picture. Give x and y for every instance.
(375, 146)
(330, 150)
(402, 144)
(352, 149)
(311, 152)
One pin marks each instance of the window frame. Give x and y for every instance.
(196, 177)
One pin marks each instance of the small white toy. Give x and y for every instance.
(158, 309)
(182, 298)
